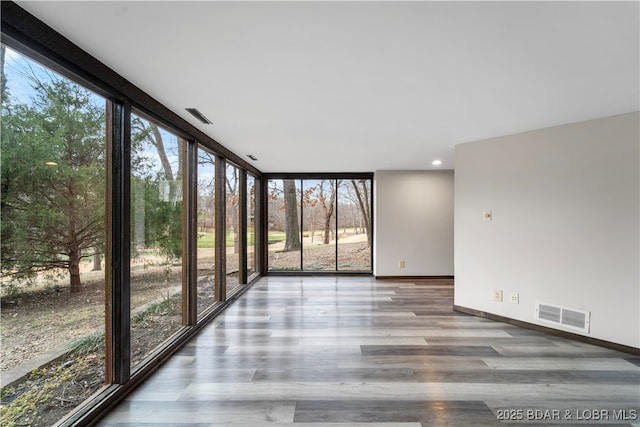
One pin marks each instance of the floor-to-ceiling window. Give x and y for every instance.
(251, 238)
(52, 242)
(320, 224)
(354, 236)
(157, 172)
(233, 233)
(206, 215)
(283, 225)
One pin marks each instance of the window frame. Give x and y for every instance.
(29, 36)
(264, 240)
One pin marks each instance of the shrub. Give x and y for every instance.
(92, 343)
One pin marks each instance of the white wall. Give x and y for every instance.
(565, 229)
(413, 221)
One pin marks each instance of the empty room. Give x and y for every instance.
(320, 213)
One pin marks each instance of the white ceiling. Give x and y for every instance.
(365, 86)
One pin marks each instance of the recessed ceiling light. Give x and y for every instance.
(436, 162)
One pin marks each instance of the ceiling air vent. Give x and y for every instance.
(568, 317)
(198, 115)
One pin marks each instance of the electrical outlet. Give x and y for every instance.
(497, 295)
(514, 298)
(401, 263)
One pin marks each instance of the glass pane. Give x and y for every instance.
(52, 242)
(354, 225)
(156, 236)
(232, 179)
(284, 244)
(318, 224)
(206, 229)
(251, 227)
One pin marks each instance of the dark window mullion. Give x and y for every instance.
(220, 230)
(335, 211)
(262, 225)
(242, 218)
(189, 234)
(371, 231)
(118, 244)
(301, 225)
(257, 221)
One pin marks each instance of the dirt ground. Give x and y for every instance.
(35, 322)
(354, 254)
(49, 318)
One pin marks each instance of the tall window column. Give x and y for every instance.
(117, 271)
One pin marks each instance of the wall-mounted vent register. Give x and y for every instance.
(569, 317)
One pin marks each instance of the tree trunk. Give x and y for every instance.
(182, 151)
(363, 202)
(166, 166)
(232, 207)
(354, 218)
(97, 262)
(74, 272)
(292, 227)
(328, 209)
(236, 231)
(327, 225)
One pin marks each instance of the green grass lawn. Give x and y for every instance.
(276, 236)
(207, 239)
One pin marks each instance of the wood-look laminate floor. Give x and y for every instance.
(330, 352)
